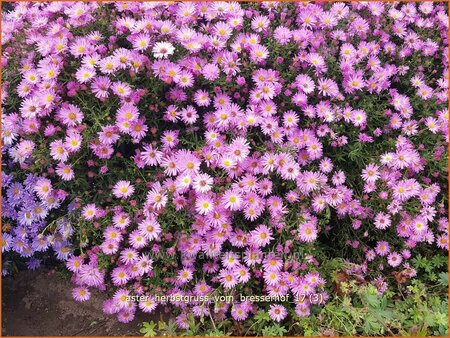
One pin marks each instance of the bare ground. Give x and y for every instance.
(39, 303)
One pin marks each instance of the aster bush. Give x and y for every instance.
(212, 151)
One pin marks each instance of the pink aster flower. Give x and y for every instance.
(210, 71)
(65, 171)
(202, 183)
(108, 135)
(111, 233)
(163, 49)
(81, 294)
(72, 142)
(123, 189)
(91, 276)
(43, 187)
(442, 241)
(307, 232)
(120, 276)
(125, 316)
(137, 240)
(371, 174)
(394, 259)
(239, 312)
(201, 98)
(382, 248)
(184, 276)
(70, 115)
(74, 263)
(170, 138)
(89, 212)
(100, 86)
(149, 305)
(109, 247)
(85, 74)
(150, 229)
(227, 279)
(204, 205)
(151, 157)
(232, 200)
(157, 198)
(242, 273)
(277, 312)
(382, 221)
(261, 236)
(129, 256)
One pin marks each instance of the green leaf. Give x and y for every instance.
(148, 329)
(274, 330)
(262, 316)
(161, 325)
(373, 300)
(443, 278)
(215, 333)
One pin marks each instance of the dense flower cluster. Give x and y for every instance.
(200, 145)
(26, 205)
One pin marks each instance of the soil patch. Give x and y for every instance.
(39, 303)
